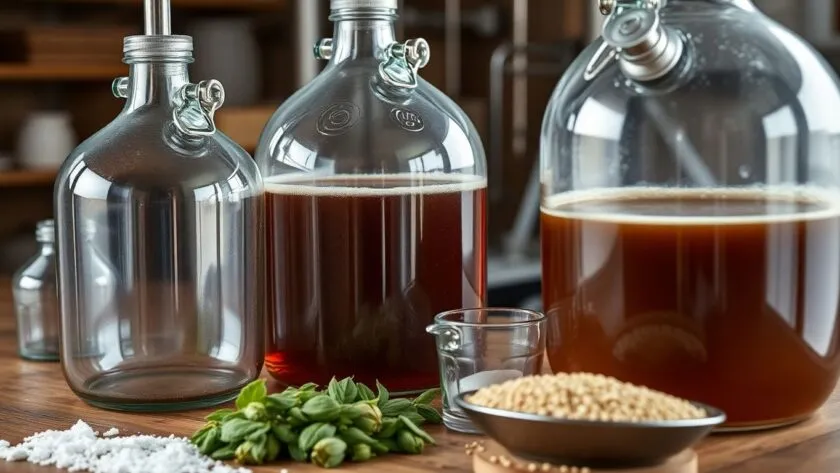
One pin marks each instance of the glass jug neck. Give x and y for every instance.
(47, 248)
(361, 37)
(155, 83)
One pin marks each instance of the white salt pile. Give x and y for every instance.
(81, 449)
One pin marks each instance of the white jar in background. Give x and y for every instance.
(230, 54)
(46, 138)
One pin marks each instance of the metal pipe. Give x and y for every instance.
(157, 17)
(308, 16)
(400, 21)
(453, 48)
(519, 120)
(594, 22)
(498, 65)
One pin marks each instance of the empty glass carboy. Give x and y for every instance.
(691, 210)
(375, 185)
(177, 209)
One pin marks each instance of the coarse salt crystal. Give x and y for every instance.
(112, 432)
(80, 449)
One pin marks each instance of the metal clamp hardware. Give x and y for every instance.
(608, 6)
(635, 37)
(324, 49)
(402, 61)
(120, 87)
(198, 104)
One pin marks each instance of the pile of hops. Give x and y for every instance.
(585, 396)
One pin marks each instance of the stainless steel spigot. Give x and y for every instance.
(634, 36)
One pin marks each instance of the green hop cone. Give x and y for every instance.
(225, 453)
(410, 443)
(354, 435)
(370, 420)
(329, 452)
(297, 418)
(249, 453)
(389, 444)
(255, 411)
(284, 433)
(362, 452)
(389, 428)
(211, 441)
(296, 453)
(313, 434)
(272, 448)
(280, 403)
(321, 408)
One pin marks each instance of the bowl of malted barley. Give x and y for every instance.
(588, 420)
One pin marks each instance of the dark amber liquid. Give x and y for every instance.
(358, 267)
(728, 299)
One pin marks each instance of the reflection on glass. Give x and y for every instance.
(691, 224)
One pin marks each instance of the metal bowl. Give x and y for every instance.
(590, 443)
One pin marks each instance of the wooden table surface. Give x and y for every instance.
(34, 397)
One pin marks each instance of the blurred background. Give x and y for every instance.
(499, 59)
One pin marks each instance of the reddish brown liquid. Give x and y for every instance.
(731, 300)
(358, 267)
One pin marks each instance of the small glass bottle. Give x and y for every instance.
(376, 196)
(36, 300)
(179, 211)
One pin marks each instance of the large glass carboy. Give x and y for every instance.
(375, 185)
(177, 215)
(691, 210)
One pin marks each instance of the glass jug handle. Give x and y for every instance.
(402, 61)
(120, 87)
(198, 104)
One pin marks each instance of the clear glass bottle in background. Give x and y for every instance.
(36, 300)
(691, 210)
(375, 188)
(178, 209)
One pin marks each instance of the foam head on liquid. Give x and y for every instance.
(695, 206)
(373, 185)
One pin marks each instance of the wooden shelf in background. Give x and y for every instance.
(218, 4)
(61, 72)
(27, 178)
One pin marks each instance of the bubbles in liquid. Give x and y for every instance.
(744, 171)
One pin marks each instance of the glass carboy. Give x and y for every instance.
(177, 213)
(691, 210)
(36, 299)
(375, 190)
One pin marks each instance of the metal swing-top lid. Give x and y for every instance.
(351, 4)
(158, 43)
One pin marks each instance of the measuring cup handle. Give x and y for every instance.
(449, 338)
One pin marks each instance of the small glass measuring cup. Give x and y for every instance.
(480, 347)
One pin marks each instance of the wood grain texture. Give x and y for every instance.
(34, 397)
(487, 461)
